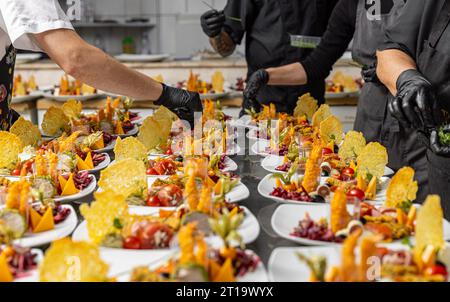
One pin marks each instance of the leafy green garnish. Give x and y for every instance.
(117, 224)
(444, 137)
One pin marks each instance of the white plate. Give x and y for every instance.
(65, 98)
(239, 192)
(340, 95)
(284, 265)
(22, 58)
(107, 148)
(267, 185)
(230, 165)
(142, 57)
(213, 96)
(259, 275)
(105, 163)
(83, 193)
(286, 218)
(252, 135)
(259, 147)
(61, 230)
(271, 162)
(249, 230)
(132, 132)
(24, 98)
(33, 276)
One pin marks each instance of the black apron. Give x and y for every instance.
(297, 17)
(434, 63)
(372, 117)
(7, 115)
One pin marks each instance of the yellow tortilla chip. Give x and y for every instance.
(28, 133)
(217, 82)
(306, 106)
(321, 114)
(68, 261)
(150, 134)
(401, 188)
(102, 213)
(55, 121)
(72, 108)
(165, 119)
(130, 147)
(331, 130)
(372, 161)
(429, 226)
(354, 143)
(126, 176)
(11, 146)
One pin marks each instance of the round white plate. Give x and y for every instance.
(61, 230)
(83, 193)
(142, 57)
(24, 98)
(22, 58)
(65, 98)
(213, 96)
(259, 148)
(105, 163)
(230, 165)
(284, 265)
(107, 148)
(340, 95)
(267, 185)
(132, 132)
(271, 162)
(259, 275)
(249, 230)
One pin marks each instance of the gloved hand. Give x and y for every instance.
(212, 22)
(257, 80)
(415, 104)
(369, 73)
(435, 143)
(183, 103)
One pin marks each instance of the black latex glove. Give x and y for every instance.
(435, 143)
(256, 81)
(415, 104)
(369, 74)
(212, 22)
(183, 103)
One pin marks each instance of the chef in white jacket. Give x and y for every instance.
(43, 26)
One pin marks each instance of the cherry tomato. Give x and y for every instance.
(170, 195)
(169, 152)
(153, 201)
(348, 171)
(15, 172)
(151, 171)
(132, 243)
(357, 193)
(326, 151)
(437, 270)
(147, 235)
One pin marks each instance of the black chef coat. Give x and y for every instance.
(267, 25)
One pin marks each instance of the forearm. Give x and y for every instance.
(292, 74)
(92, 66)
(223, 44)
(391, 64)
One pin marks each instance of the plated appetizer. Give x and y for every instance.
(425, 261)
(212, 90)
(17, 263)
(23, 88)
(342, 83)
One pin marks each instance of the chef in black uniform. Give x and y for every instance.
(414, 63)
(43, 26)
(357, 20)
(267, 25)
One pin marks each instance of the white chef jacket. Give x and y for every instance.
(20, 19)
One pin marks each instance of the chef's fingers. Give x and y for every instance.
(397, 112)
(216, 19)
(436, 145)
(210, 14)
(409, 109)
(425, 102)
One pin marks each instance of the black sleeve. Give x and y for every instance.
(335, 41)
(403, 30)
(239, 15)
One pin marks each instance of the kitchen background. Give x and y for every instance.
(167, 27)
